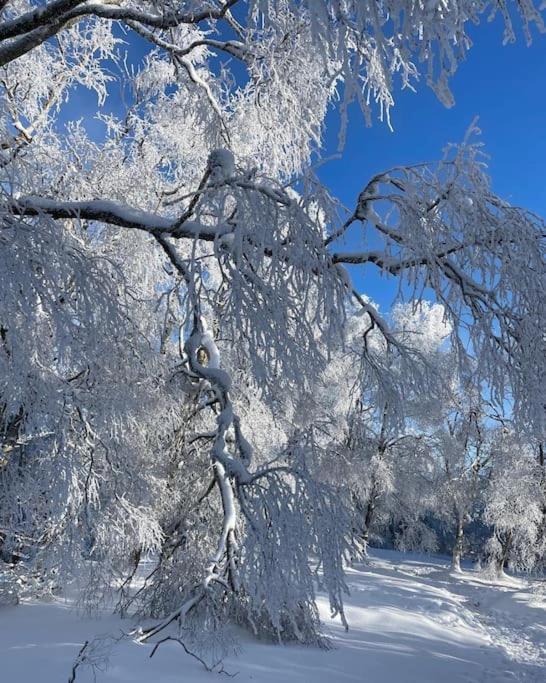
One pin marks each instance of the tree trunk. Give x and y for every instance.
(506, 543)
(542, 464)
(458, 546)
(370, 513)
(367, 520)
(499, 560)
(375, 488)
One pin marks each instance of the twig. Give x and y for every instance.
(210, 668)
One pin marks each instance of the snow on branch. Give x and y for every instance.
(115, 213)
(30, 29)
(443, 228)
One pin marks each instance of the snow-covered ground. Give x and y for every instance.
(410, 621)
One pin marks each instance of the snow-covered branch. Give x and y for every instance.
(116, 213)
(29, 30)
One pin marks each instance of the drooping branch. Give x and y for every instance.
(443, 228)
(447, 231)
(221, 568)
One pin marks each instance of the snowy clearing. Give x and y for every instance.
(410, 620)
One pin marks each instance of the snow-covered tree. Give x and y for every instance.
(388, 393)
(178, 259)
(463, 453)
(514, 505)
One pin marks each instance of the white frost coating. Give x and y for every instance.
(221, 165)
(344, 276)
(208, 343)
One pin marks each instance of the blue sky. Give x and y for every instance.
(504, 85)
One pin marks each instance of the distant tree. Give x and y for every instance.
(464, 456)
(388, 394)
(514, 506)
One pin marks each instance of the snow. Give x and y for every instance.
(118, 213)
(410, 619)
(125, 214)
(344, 276)
(221, 165)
